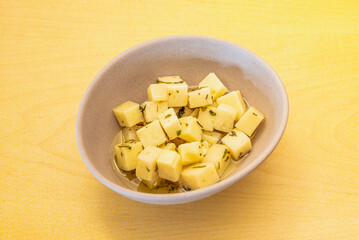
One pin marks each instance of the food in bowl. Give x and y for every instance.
(182, 138)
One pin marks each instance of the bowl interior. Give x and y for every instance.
(127, 77)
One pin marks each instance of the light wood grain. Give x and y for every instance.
(50, 51)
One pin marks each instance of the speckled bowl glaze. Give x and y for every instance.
(127, 77)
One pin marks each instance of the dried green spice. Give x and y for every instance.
(180, 112)
(255, 114)
(178, 132)
(225, 153)
(203, 109)
(159, 81)
(148, 170)
(212, 113)
(199, 124)
(202, 166)
(124, 146)
(142, 108)
(168, 115)
(219, 165)
(232, 134)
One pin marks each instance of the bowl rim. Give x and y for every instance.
(177, 198)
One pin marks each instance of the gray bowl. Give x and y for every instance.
(127, 77)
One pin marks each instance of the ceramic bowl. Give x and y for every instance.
(127, 77)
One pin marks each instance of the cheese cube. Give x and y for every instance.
(199, 175)
(199, 98)
(206, 117)
(250, 121)
(169, 165)
(190, 152)
(239, 144)
(147, 163)
(126, 155)
(211, 137)
(177, 95)
(152, 134)
(157, 92)
(225, 117)
(191, 129)
(215, 85)
(170, 123)
(169, 146)
(183, 111)
(149, 110)
(214, 104)
(161, 107)
(169, 80)
(218, 154)
(130, 133)
(195, 113)
(235, 100)
(128, 114)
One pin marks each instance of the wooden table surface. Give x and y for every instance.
(51, 50)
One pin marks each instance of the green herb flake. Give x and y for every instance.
(203, 109)
(202, 166)
(142, 108)
(180, 112)
(255, 114)
(225, 153)
(200, 154)
(124, 146)
(148, 170)
(159, 81)
(219, 165)
(178, 132)
(166, 142)
(212, 113)
(168, 115)
(226, 159)
(199, 124)
(206, 96)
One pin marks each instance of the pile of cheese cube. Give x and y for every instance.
(182, 135)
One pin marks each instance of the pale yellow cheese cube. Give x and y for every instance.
(149, 110)
(191, 129)
(239, 143)
(152, 134)
(199, 98)
(195, 113)
(250, 121)
(225, 117)
(211, 137)
(157, 92)
(126, 155)
(169, 80)
(169, 165)
(206, 117)
(215, 85)
(161, 107)
(199, 175)
(169, 146)
(190, 152)
(183, 111)
(130, 133)
(218, 154)
(177, 95)
(146, 168)
(170, 123)
(128, 114)
(235, 100)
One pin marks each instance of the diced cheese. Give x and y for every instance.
(195, 113)
(238, 143)
(183, 111)
(218, 154)
(169, 165)
(190, 153)
(128, 114)
(161, 107)
(225, 117)
(169, 146)
(169, 79)
(126, 155)
(235, 100)
(205, 146)
(215, 85)
(199, 175)
(149, 110)
(191, 130)
(177, 95)
(170, 123)
(211, 137)
(152, 134)
(147, 163)
(199, 98)
(206, 117)
(250, 121)
(157, 92)
(130, 133)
